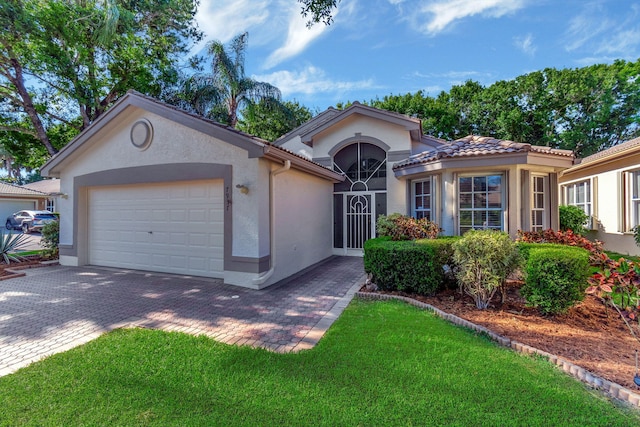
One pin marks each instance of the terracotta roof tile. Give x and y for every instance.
(16, 190)
(474, 145)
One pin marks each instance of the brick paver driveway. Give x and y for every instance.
(53, 309)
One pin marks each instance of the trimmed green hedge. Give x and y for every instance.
(525, 248)
(415, 266)
(556, 277)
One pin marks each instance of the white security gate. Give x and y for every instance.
(169, 227)
(359, 219)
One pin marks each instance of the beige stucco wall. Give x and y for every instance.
(111, 148)
(303, 222)
(396, 137)
(607, 188)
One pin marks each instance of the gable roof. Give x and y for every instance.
(7, 189)
(618, 149)
(475, 146)
(332, 116)
(48, 186)
(254, 146)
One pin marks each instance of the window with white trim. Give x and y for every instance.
(579, 194)
(633, 199)
(480, 202)
(422, 199)
(538, 203)
(50, 205)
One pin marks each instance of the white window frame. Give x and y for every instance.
(545, 202)
(632, 199)
(587, 206)
(50, 205)
(503, 202)
(430, 182)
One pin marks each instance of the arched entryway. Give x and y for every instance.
(361, 197)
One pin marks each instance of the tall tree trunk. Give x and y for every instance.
(29, 108)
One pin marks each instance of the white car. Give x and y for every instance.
(29, 220)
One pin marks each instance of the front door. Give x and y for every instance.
(360, 198)
(359, 218)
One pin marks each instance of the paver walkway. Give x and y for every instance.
(54, 309)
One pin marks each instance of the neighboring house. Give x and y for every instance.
(14, 198)
(51, 187)
(606, 185)
(151, 187)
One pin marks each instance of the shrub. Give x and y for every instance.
(407, 266)
(573, 218)
(9, 243)
(525, 248)
(51, 238)
(556, 278)
(403, 227)
(484, 259)
(568, 238)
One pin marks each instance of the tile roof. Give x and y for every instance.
(7, 189)
(45, 186)
(619, 148)
(474, 145)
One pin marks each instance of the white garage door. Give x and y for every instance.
(170, 227)
(9, 207)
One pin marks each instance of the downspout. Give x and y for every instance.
(272, 262)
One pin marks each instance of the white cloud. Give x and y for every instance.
(298, 38)
(311, 80)
(224, 19)
(525, 44)
(436, 16)
(595, 30)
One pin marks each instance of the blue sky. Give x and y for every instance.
(380, 47)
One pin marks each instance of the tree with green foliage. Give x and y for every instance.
(63, 63)
(585, 109)
(222, 93)
(318, 11)
(270, 121)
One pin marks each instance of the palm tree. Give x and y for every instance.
(219, 95)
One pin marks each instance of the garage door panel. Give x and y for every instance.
(174, 228)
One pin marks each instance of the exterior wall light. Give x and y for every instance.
(243, 188)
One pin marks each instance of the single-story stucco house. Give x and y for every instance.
(14, 198)
(148, 186)
(606, 185)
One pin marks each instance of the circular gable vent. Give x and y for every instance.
(141, 134)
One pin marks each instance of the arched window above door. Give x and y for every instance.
(364, 165)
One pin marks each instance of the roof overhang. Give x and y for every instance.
(413, 126)
(558, 163)
(117, 113)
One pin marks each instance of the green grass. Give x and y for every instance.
(381, 364)
(616, 256)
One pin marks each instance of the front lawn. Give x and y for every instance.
(381, 363)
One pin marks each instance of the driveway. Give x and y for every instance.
(32, 241)
(53, 309)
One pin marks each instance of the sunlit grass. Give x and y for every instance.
(381, 363)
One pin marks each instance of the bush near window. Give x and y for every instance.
(484, 258)
(50, 239)
(416, 266)
(573, 218)
(525, 248)
(568, 238)
(403, 227)
(556, 278)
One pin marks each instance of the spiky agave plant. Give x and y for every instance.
(9, 243)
